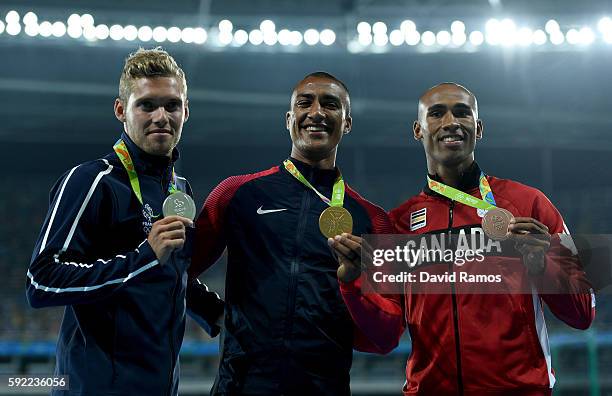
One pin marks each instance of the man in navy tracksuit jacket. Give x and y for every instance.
(106, 253)
(287, 331)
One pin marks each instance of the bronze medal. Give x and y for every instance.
(334, 221)
(495, 224)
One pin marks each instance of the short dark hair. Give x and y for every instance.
(328, 76)
(454, 84)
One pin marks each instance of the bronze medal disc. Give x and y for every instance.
(334, 221)
(495, 224)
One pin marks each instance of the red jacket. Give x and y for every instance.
(472, 344)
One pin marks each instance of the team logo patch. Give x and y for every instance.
(418, 219)
(481, 212)
(149, 218)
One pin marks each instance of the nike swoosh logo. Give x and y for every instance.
(264, 211)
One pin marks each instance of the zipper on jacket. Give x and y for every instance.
(171, 333)
(295, 262)
(454, 299)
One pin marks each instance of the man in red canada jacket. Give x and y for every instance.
(465, 343)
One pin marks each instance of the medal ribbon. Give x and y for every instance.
(124, 156)
(337, 190)
(487, 202)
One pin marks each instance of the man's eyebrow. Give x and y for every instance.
(437, 106)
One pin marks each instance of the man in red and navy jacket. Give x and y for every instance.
(287, 330)
(465, 343)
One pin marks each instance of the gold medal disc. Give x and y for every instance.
(334, 221)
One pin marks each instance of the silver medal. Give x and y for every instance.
(179, 204)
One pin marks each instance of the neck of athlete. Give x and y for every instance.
(449, 174)
(316, 160)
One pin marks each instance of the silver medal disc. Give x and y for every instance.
(179, 204)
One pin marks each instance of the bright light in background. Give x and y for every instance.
(187, 35)
(241, 37)
(284, 37)
(199, 35)
(74, 30)
(573, 36)
(296, 38)
(459, 39)
(101, 32)
(552, 27)
(396, 38)
(225, 37)
(13, 28)
(605, 27)
(116, 32)
(380, 40)
(407, 26)
(443, 37)
(12, 17)
(524, 37)
(557, 38)
(256, 37)
(363, 28)
(160, 34)
(365, 39)
(379, 28)
(74, 19)
(539, 37)
(225, 26)
(586, 36)
(31, 29)
(507, 32)
(413, 37)
(270, 37)
(58, 29)
(428, 38)
(89, 32)
(30, 18)
(130, 32)
(311, 36)
(267, 26)
(145, 33)
(87, 20)
(44, 29)
(457, 27)
(327, 37)
(174, 34)
(476, 38)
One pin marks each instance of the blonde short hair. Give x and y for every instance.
(149, 63)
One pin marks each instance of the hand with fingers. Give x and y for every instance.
(167, 235)
(348, 250)
(532, 240)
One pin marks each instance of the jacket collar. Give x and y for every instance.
(148, 163)
(469, 180)
(316, 176)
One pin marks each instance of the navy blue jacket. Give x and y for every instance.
(125, 312)
(287, 330)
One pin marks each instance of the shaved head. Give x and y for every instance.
(436, 88)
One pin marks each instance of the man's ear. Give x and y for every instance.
(120, 110)
(288, 118)
(416, 130)
(186, 110)
(479, 129)
(348, 124)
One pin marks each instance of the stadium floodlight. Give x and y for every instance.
(130, 32)
(396, 38)
(539, 37)
(443, 37)
(508, 34)
(267, 26)
(160, 34)
(557, 38)
(476, 38)
(586, 36)
(256, 37)
(493, 31)
(327, 37)
(241, 37)
(74, 19)
(13, 28)
(364, 28)
(1, 27)
(31, 29)
(311, 36)
(604, 25)
(270, 37)
(365, 39)
(407, 26)
(44, 29)
(74, 30)
(145, 33)
(573, 36)
(101, 32)
(116, 32)
(379, 28)
(428, 38)
(30, 18)
(87, 20)
(284, 37)
(187, 35)
(354, 47)
(226, 26)
(380, 40)
(413, 37)
(524, 37)
(12, 17)
(457, 27)
(199, 35)
(296, 38)
(552, 27)
(174, 34)
(459, 39)
(225, 37)
(58, 29)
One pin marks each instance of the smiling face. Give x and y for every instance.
(318, 118)
(154, 114)
(448, 126)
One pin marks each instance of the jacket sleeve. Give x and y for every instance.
(64, 269)
(563, 285)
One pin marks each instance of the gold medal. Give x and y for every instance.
(334, 221)
(495, 224)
